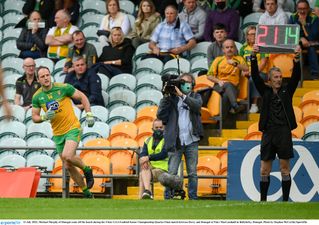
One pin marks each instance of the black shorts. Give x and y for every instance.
(276, 141)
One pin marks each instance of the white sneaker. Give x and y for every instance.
(253, 108)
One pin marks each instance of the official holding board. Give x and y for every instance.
(277, 118)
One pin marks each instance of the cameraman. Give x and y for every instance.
(180, 113)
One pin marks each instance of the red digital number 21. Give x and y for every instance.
(262, 35)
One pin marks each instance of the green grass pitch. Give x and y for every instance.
(74, 208)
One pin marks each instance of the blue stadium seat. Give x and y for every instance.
(9, 48)
(93, 6)
(176, 66)
(120, 98)
(199, 65)
(152, 81)
(12, 161)
(14, 142)
(99, 130)
(122, 81)
(127, 6)
(45, 62)
(199, 51)
(13, 5)
(42, 142)
(150, 65)
(147, 98)
(18, 113)
(100, 113)
(36, 130)
(12, 129)
(120, 114)
(251, 19)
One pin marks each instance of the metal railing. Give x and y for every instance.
(65, 177)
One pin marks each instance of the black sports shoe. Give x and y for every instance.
(180, 194)
(89, 178)
(147, 195)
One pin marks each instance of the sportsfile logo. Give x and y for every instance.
(304, 160)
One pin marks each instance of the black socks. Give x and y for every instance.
(285, 185)
(264, 185)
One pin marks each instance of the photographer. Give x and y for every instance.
(31, 41)
(154, 164)
(180, 112)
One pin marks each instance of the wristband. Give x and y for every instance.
(43, 117)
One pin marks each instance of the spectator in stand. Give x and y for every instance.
(71, 6)
(117, 56)
(224, 15)
(87, 81)
(146, 21)
(309, 34)
(26, 85)
(273, 15)
(60, 36)
(171, 37)
(225, 72)
(259, 5)
(80, 48)
(216, 48)
(114, 18)
(244, 7)
(31, 41)
(195, 16)
(161, 5)
(262, 58)
(46, 9)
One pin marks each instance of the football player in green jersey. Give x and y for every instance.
(55, 100)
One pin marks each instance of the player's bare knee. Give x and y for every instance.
(68, 165)
(67, 158)
(264, 171)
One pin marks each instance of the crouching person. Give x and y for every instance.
(154, 165)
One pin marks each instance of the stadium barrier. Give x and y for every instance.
(66, 178)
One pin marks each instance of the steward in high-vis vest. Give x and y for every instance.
(60, 36)
(154, 165)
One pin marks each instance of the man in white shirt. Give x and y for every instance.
(60, 36)
(273, 15)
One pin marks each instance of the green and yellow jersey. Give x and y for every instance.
(224, 71)
(246, 51)
(58, 98)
